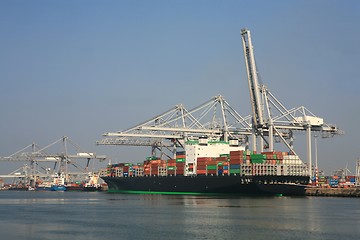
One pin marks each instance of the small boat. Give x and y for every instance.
(55, 187)
(58, 183)
(92, 185)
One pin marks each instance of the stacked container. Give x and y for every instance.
(244, 163)
(291, 160)
(202, 163)
(237, 158)
(171, 166)
(257, 158)
(211, 167)
(274, 157)
(180, 163)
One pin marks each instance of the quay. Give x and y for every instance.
(333, 192)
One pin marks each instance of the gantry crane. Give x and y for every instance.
(61, 160)
(270, 117)
(166, 132)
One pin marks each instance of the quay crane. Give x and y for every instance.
(37, 156)
(215, 119)
(270, 120)
(282, 123)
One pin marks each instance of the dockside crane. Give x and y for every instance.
(215, 119)
(270, 118)
(34, 158)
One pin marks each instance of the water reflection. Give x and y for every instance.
(50, 215)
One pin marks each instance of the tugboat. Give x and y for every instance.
(93, 185)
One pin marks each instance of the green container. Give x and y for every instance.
(224, 155)
(258, 156)
(220, 164)
(181, 160)
(257, 161)
(234, 170)
(211, 167)
(171, 168)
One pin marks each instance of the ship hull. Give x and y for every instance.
(238, 185)
(58, 188)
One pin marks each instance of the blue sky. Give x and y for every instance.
(82, 68)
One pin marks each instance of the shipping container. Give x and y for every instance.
(211, 167)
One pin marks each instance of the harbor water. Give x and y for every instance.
(101, 215)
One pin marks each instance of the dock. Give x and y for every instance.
(333, 192)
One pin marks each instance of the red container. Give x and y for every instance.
(201, 167)
(221, 159)
(236, 153)
(204, 159)
(201, 163)
(237, 161)
(211, 171)
(211, 163)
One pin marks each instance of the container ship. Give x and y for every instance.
(206, 161)
(212, 167)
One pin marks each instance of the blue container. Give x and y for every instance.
(220, 172)
(333, 182)
(234, 166)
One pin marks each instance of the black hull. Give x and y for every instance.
(239, 185)
(84, 189)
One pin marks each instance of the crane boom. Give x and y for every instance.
(253, 81)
